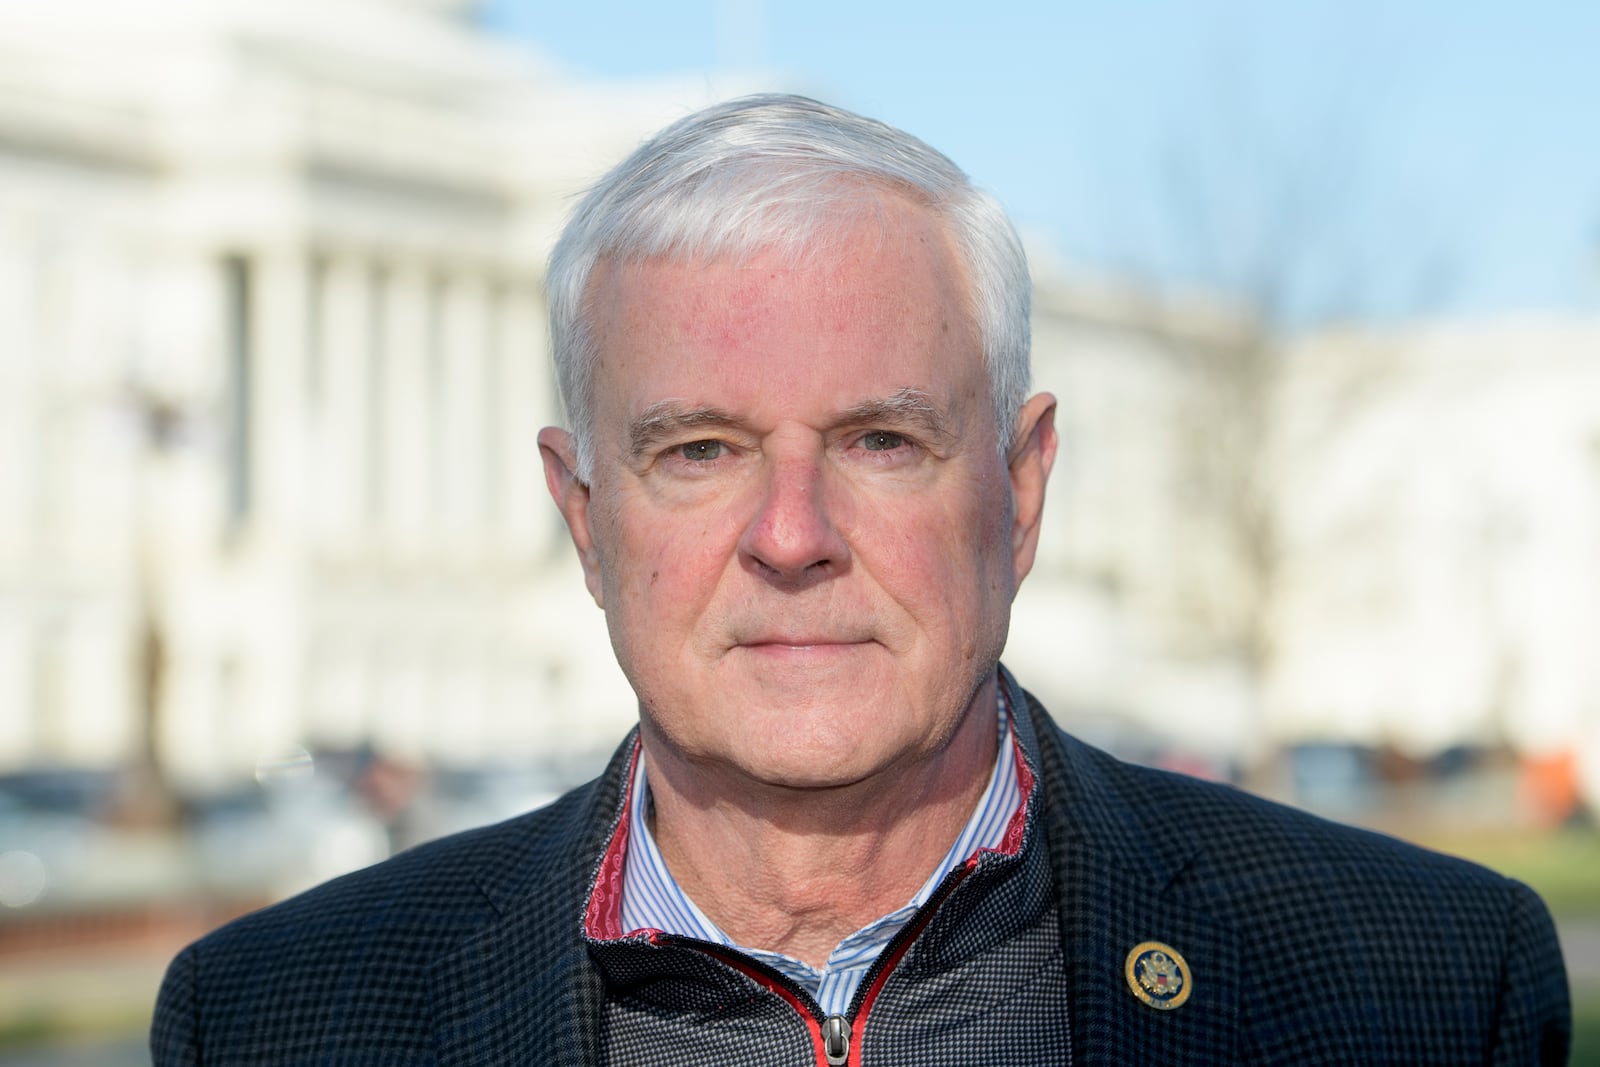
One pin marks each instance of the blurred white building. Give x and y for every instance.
(1439, 495)
(271, 365)
(1130, 627)
(272, 360)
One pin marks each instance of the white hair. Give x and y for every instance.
(778, 172)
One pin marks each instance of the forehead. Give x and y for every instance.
(879, 304)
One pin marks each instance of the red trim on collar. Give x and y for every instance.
(603, 918)
(1011, 843)
(1017, 825)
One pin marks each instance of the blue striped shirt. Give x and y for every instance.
(653, 900)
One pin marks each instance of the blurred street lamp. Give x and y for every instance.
(161, 425)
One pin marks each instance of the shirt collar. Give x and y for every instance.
(653, 902)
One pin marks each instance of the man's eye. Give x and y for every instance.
(882, 441)
(700, 451)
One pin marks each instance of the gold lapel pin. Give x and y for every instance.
(1158, 975)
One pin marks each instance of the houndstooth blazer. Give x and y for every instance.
(1307, 942)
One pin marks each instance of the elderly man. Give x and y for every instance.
(804, 481)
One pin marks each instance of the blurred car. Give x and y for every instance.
(283, 832)
(51, 833)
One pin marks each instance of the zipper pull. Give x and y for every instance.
(836, 1039)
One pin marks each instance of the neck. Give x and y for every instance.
(797, 870)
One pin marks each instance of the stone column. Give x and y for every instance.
(342, 443)
(401, 515)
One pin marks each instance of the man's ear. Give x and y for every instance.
(572, 496)
(1033, 453)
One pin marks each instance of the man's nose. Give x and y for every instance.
(792, 537)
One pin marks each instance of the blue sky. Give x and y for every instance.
(1337, 158)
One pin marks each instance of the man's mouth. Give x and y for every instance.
(801, 643)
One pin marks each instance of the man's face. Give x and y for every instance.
(800, 524)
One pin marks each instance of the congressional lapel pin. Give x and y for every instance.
(1158, 975)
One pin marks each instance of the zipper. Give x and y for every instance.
(836, 1040)
(833, 1036)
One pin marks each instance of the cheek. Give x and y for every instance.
(978, 521)
(990, 520)
(934, 557)
(651, 608)
(975, 566)
(664, 568)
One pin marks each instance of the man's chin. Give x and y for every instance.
(808, 773)
(822, 744)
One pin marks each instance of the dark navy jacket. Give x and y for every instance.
(1306, 943)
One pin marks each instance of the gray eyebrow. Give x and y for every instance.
(899, 408)
(666, 418)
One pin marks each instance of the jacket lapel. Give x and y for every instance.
(1103, 918)
(1124, 871)
(523, 988)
